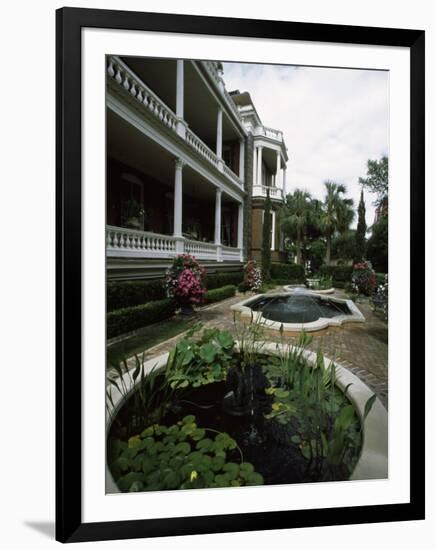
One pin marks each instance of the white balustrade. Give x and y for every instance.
(120, 73)
(123, 242)
(262, 190)
(196, 143)
(201, 250)
(277, 135)
(231, 175)
(131, 243)
(126, 78)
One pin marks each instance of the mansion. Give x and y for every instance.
(189, 166)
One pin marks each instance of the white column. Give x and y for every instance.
(273, 230)
(218, 225)
(276, 181)
(284, 181)
(178, 190)
(259, 165)
(219, 134)
(254, 165)
(181, 127)
(218, 216)
(241, 230)
(242, 159)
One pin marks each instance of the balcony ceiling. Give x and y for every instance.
(200, 106)
(129, 146)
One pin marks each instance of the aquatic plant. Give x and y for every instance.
(180, 456)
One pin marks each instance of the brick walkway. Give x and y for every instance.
(361, 347)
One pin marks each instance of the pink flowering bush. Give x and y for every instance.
(364, 279)
(185, 280)
(252, 276)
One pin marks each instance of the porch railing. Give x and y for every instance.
(126, 79)
(268, 132)
(131, 243)
(274, 192)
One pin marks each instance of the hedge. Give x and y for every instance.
(124, 294)
(218, 294)
(293, 273)
(339, 273)
(219, 280)
(131, 318)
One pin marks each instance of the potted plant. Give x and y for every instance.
(185, 282)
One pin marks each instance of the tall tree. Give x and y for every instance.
(377, 248)
(337, 213)
(360, 248)
(376, 181)
(295, 217)
(266, 239)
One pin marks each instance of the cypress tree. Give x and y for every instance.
(360, 231)
(266, 240)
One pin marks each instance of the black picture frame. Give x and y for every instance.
(69, 525)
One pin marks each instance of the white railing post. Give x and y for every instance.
(181, 128)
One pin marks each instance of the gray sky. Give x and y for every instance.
(333, 120)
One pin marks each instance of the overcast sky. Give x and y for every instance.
(333, 120)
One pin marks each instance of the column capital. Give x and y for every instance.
(180, 163)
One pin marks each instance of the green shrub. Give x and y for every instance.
(131, 318)
(380, 277)
(122, 294)
(289, 272)
(339, 273)
(218, 280)
(218, 294)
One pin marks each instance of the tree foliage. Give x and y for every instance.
(377, 247)
(337, 213)
(343, 245)
(376, 181)
(295, 218)
(360, 241)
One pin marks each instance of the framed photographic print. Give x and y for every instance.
(240, 225)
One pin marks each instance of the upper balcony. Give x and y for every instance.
(174, 95)
(270, 133)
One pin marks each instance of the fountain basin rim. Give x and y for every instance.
(373, 460)
(245, 312)
(290, 288)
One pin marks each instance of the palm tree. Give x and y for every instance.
(295, 217)
(337, 213)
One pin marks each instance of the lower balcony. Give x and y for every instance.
(132, 243)
(274, 192)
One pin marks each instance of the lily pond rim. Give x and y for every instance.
(373, 460)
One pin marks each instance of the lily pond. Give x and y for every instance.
(223, 413)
